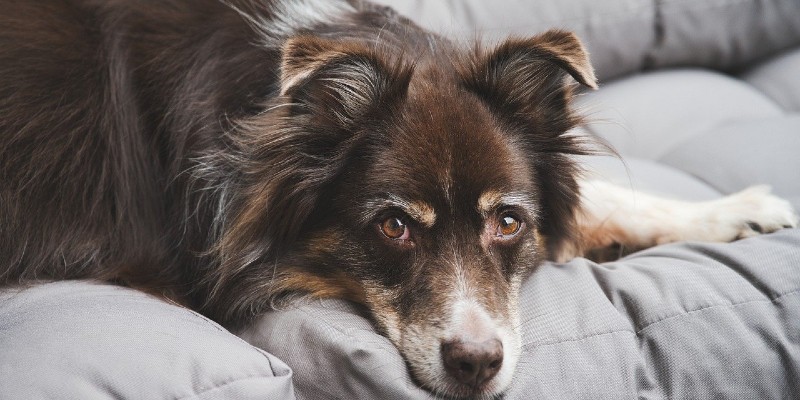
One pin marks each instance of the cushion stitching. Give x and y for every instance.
(222, 385)
(638, 332)
(576, 339)
(680, 6)
(768, 300)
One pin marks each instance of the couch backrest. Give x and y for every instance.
(626, 36)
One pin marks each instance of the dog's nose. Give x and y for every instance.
(472, 363)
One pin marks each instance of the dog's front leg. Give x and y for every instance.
(617, 219)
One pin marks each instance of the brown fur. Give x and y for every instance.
(177, 147)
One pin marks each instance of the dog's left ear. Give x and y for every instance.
(527, 83)
(529, 77)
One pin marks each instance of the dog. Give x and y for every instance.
(228, 155)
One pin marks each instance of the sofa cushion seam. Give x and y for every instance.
(224, 384)
(768, 300)
(577, 339)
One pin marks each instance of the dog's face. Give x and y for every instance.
(443, 217)
(426, 193)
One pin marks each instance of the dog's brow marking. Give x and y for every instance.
(492, 199)
(488, 201)
(420, 211)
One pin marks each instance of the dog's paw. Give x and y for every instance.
(748, 213)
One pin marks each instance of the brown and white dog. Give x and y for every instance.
(226, 154)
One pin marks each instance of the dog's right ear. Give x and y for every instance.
(339, 82)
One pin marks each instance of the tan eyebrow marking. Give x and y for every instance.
(492, 199)
(420, 211)
(488, 201)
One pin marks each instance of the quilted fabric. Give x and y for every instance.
(680, 321)
(683, 321)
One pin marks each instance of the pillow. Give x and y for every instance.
(685, 321)
(82, 340)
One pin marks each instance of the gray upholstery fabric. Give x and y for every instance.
(684, 321)
(723, 34)
(334, 352)
(80, 340)
(626, 36)
(734, 156)
(777, 78)
(648, 115)
(626, 26)
(647, 176)
(680, 321)
(709, 129)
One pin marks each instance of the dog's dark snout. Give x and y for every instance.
(472, 363)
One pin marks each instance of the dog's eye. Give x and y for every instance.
(395, 228)
(508, 226)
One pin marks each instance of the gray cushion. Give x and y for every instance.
(777, 78)
(737, 155)
(724, 34)
(648, 115)
(80, 340)
(625, 36)
(618, 33)
(683, 321)
(719, 130)
(648, 176)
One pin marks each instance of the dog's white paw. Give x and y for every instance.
(750, 212)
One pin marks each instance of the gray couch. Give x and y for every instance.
(701, 98)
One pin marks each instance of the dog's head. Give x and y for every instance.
(424, 189)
